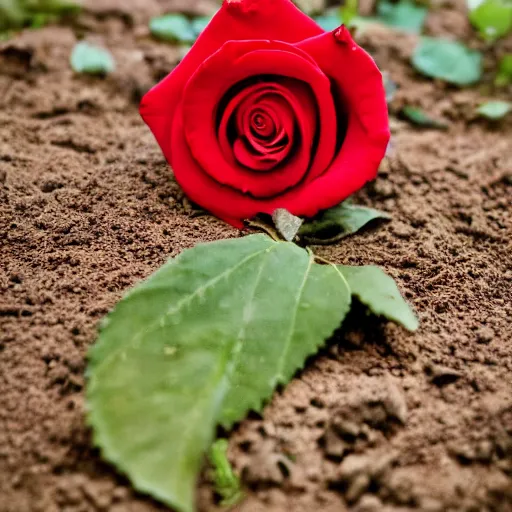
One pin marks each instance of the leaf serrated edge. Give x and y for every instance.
(258, 405)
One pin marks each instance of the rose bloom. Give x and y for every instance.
(269, 111)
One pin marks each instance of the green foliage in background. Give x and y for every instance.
(91, 59)
(348, 12)
(419, 117)
(16, 14)
(495, 110)
(447, 60)
(404, 15)
(177, 28)
(492, 18)
(504, 75)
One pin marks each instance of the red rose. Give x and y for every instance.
(269, 111)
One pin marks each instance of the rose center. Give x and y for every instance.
(261, 124)
(264, 123)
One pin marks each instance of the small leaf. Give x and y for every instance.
(331, 20)
(378, 291)
(328, 22)
(201, 342)
(200, 23)
(286, 224)
(348, 12)
(504, 76)
(339, 222)
(447, 60)
(404, 15)
(495, 110)
(418, 117)
(91, 59)
(227, 484)
(492, 18)
(173, 28)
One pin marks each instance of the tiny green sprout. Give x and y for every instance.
(227, 484)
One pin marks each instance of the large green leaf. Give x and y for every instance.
(378, 291)
(338, 222)
(447, 60)
(404, 15)
(493, 18)
(201, 342)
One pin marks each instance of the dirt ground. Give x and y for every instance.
(382, 420)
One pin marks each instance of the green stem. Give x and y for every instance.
(271, 232)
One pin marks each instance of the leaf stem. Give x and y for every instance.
(270, 231)
(319, 259)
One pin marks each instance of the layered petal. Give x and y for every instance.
(367, 135)
(309, 93)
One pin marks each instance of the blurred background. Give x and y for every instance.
(88, 207)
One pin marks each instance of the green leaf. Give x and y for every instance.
(339, 222)
(504, 76)
(418, 117)
(90, 59)
(492, 18)
(404, 15)
(173, 28)
(201, 342)
(12, 14)
(379, 292)
(200, 23)
(58, 7)
(495, 110)
(349, 11)
(328, 22)
(286, 224)
(332, 20)
(227, 484)
(34, 13)
(447, 60)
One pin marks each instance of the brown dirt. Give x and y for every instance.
(382, 420)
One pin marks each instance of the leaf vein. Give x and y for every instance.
(179, 305)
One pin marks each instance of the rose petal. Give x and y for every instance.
(367, 133)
